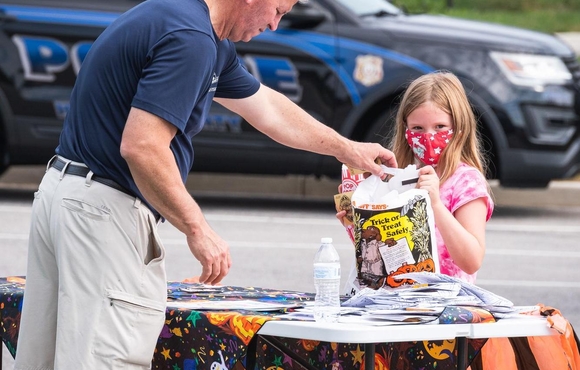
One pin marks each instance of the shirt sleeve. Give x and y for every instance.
(235, 82)
(177, 75)
(469, 185)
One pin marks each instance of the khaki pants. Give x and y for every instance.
(95, 286)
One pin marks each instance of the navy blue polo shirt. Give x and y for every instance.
(162, 56)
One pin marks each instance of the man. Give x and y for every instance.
(96, 287)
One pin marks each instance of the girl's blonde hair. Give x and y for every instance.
(446, 91)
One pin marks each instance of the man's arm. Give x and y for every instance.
(285, 122)
(145, 147)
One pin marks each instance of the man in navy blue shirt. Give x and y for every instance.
(96, 287)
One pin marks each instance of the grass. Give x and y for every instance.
(549, 20)
(550, 16)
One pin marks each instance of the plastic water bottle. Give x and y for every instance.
(327, 282)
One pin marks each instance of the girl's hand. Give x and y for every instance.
(428, 180)
(341, 216)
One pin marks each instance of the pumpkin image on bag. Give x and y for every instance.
(394, 231)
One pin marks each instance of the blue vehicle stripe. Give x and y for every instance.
(61, 16)
(330, 43)
(323, 47)
(302, 44)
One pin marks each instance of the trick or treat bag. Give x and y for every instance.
(394, 230)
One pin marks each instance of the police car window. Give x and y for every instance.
(371, 7)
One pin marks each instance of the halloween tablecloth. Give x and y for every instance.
(218, 340)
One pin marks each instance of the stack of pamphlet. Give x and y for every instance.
(482, 298)
(196, 296)
(419, 303)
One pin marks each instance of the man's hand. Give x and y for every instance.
(146, 148)
(364, 155)
(212, 252)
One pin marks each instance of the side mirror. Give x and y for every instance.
(303, 16)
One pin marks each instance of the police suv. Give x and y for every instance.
(346, 62)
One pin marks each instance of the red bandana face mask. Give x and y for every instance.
(428, 147)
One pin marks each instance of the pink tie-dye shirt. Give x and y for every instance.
(465, 185)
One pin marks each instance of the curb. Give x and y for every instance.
(559, 193)
(308, 188)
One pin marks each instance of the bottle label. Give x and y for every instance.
(326, 271)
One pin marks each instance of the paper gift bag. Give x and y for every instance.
(394, 229)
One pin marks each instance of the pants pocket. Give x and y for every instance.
(85, 209)
(127, 330)
(155, 251)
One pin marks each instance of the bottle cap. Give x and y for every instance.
(326, 240)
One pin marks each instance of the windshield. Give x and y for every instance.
(370, 7)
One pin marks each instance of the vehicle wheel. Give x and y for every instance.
(382, 129)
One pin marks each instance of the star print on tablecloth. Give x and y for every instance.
(165, 353)
(287, 359)
(277, 361)
(194, 316)
(357, 355)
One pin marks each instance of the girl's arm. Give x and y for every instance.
(463, 232)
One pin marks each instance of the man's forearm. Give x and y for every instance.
(276, 116)
(279, 118)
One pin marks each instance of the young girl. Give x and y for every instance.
(436, 130)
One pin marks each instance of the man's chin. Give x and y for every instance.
(250, 37)
(240, 39)
(244, 38)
